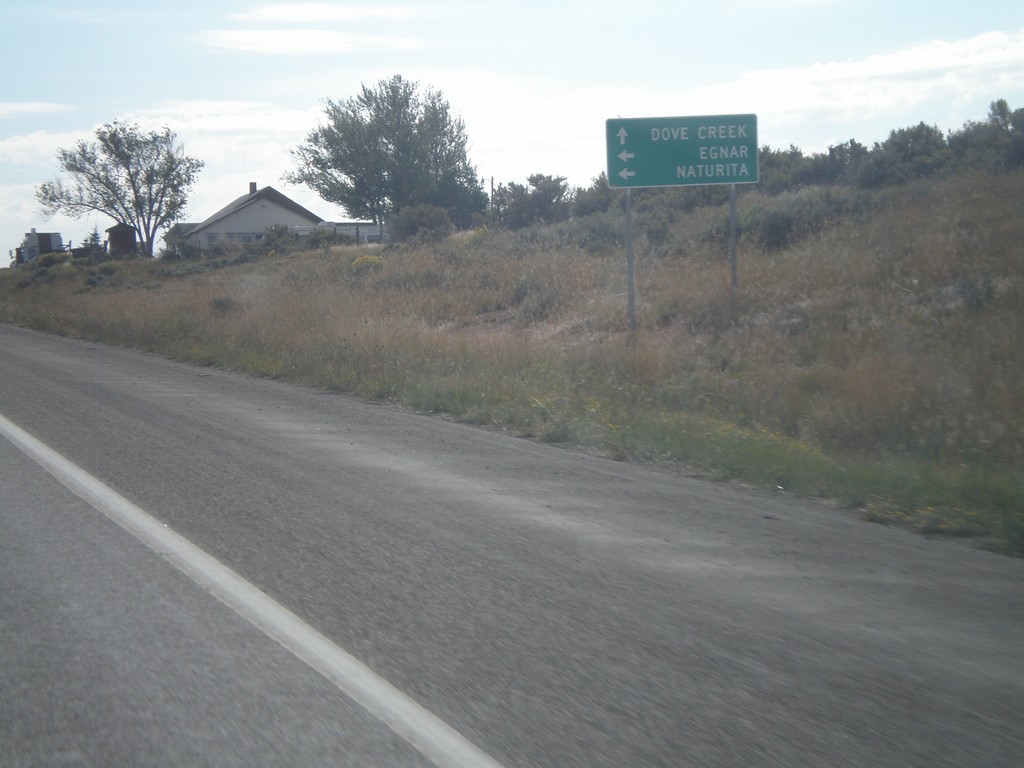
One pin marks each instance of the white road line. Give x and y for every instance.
(428, 734)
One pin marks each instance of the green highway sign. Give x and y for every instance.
(682, 151)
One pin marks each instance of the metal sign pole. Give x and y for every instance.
(629, 263)
(732, 239)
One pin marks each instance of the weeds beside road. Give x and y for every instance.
(873, 355)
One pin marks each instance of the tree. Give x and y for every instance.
(779, 168)
(997, 143)
(545, 201)
(597, 198)
(389, 148)
(844, 160)
(919, 150)
(94, 240)
(138, 179)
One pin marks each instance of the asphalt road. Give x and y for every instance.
(550, 608)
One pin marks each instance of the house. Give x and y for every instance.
(246, 219)
(36, 244)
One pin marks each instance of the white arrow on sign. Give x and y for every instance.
(625, 156)
(622, 136)
(627, 174)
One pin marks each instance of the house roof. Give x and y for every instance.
(179, 230)
(267, 193)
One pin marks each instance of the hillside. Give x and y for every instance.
(873, 352)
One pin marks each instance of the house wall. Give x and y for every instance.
(247, 224)
(38, 243)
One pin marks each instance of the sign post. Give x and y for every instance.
(679, 152)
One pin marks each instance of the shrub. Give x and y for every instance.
(365, 264)
(536, 299)
(226, 249)
(424, 222)
(595, 233)
(48, 260)
(181, 252)
(221, 305)
(772, 229)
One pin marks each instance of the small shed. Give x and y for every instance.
(121, 241)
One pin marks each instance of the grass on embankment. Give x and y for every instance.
(876, 357)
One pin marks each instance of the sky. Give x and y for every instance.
(243, 82)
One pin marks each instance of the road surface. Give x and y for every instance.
(201, 568)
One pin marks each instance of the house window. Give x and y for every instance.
(244, 237)
(211, 238)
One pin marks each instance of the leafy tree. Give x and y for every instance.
(138, 179)
(997, 143)
(917, 151)
(389, 148)
(844, 161)
(549, 198)
(545, 201)
(783, 169)
(510, 206)
(597, 198)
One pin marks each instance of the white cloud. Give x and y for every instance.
(883, 84)
(215, 116)
(313, 28)
(236, 138)
(36, 149)
(15, 108)
(306, 13)
(299, 42)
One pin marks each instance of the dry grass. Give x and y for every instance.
(878, 358)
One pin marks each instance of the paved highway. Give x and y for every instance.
(198, 568)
